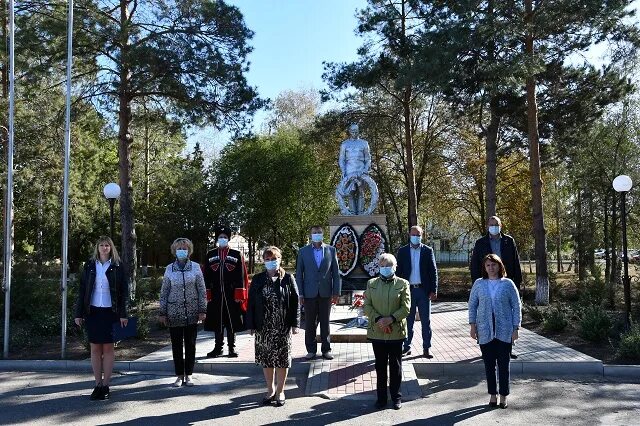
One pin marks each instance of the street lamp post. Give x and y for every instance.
(112, 193)
(623, 184)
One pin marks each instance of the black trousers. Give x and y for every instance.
(186, 335)
(317, 310)
(388, 354)
(226, 324)
(497, 352)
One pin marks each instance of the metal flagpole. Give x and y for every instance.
(67, 154)
(8, 243)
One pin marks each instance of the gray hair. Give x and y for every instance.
(388, 259)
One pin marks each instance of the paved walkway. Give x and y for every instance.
(352, 372)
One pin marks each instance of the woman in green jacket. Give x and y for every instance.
(387, 301)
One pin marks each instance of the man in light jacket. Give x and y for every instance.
(319, 286)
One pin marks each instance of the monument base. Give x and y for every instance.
(357, 279)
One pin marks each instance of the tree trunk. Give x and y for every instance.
(560, 267)
(124, 155)
(612, 253)
(539, 233)
(580, 269)
(491, 151)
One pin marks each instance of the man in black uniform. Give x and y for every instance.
(225, 275)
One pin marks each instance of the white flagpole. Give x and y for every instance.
(67, 154)
(8, 243)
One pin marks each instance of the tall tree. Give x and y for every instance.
(186, 56)
(387, 63)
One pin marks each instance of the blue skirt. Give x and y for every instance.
(99, 325)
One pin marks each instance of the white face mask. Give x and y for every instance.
(494, 230)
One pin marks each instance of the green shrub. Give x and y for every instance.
(629, 347)
(592, 291)
(595, 323)
(535, 312)
(556, 318)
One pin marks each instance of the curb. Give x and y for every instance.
(423, 370)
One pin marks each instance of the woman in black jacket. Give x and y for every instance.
(102, 301)
(273, 315)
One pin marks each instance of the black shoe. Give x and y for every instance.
(95, 395)
(327, 355)
(380, 404)
(406, 351)
(233, 353)
(216, 352)
(397, 404)
(493, 404)
(426, 354)
(280, 402)
(513, 356)
(503, 405)
(267, 400)
(105, 393)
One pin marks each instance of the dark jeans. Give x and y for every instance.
(420, 301)
(187, 335)
(496, 351)
(388, 354)
(316, 310)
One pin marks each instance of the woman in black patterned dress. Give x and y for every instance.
(273, 315)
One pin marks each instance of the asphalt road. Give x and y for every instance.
(54, 398)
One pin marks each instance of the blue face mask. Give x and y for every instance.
(317, 238)
(272, 265)
(222, 242)
(415, 239)
(182, 254)
(387, 271)
(494, 230)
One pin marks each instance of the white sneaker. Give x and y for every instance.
(310, 355)
(178, 382)
(188, 381)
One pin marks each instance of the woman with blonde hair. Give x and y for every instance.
(183, 303)
(273, 315)
(102, 301)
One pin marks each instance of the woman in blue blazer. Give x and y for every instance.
(494, 317)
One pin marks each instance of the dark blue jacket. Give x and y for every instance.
(428, 271)
(118, 286)
(508, 254)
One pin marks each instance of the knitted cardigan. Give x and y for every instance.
(506, 309)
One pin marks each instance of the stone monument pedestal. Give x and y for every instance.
(357, 279)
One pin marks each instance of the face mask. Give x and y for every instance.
(415, 239)
(317, 238)
(182, 254)
(387, 271)
(272, 265)
(494, 230)
(222, 242)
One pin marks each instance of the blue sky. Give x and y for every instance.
(292, 38)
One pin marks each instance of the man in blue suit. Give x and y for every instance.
(417, 264)
(319, 285)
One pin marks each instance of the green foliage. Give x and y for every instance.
(629, 346)
(591, 291)
(556, 318)
(595, 323)
(536, 313)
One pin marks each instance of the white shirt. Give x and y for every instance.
(101, 296)
(414, 278)
(493, 290)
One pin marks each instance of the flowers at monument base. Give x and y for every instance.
(372, 245)
(345, 240)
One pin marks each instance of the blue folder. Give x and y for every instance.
(121, 333)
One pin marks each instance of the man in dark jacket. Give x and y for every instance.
(503, 245)
(225, 275)
(417, 264)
